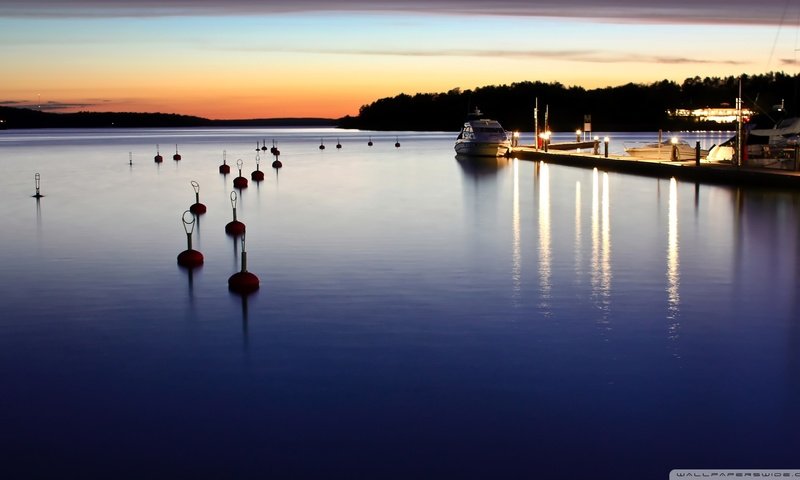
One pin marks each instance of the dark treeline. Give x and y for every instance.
(27, 118)
(631, 107)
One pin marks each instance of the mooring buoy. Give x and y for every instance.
(243, 282)
(197, 208)
(234, 227)
(224, 168)
(257, 174)
(177, 155)
(189, 258)
(38, 181)
(239, 182)
(158, 158)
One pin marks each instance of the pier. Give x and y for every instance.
(703, 171)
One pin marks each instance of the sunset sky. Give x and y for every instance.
(261, 59)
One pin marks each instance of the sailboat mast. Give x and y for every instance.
(740, 132)
(536, 124)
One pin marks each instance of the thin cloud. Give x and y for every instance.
(590, 56)
(764, 12)
(50, 106)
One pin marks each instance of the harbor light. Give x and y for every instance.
(578, 135)
(674, 140)
(515, 139)
(545, 137)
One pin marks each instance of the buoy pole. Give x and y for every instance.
(244, 255)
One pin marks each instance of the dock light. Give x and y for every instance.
(605, 147)
(578, 135)
(545, 136)
(674, 155)
(515, 139)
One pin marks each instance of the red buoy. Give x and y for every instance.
(277, 163)
(369, 143)
(338, 143)
(158, 158)
(321, 144)
(243, 282)
(197, 208)
(274, 150)
(189, 258)
(224, 168)
(235, 227)
(239, 182)
(264, 145)
(397, 143)
(177, 155)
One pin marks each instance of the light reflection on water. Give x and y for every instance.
(673, 264)
(428, 316)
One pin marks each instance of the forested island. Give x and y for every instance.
(630, 107)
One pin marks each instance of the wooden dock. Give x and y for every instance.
(705, 172)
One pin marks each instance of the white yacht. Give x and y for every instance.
(674, 150)
(482, 137)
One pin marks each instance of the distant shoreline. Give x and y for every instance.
(24, 118)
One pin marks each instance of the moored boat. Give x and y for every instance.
(482, 137)
(668, 150)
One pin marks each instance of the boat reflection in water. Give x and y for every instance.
(478, 166)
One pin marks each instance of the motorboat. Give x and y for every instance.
(762, 143)
(482, 137)
(667, 150)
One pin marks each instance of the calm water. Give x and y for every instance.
(419, 316)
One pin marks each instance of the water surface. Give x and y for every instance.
(420, 316)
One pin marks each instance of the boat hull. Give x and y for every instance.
(482, 149)
(666, 153)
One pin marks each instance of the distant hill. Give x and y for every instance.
(28, 118)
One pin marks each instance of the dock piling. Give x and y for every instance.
(697, 153)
